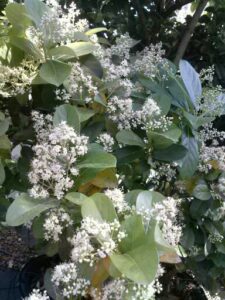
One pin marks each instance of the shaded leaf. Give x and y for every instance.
(172, 153)
(128, 137)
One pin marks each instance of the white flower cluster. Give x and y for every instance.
(116, 65)
(207, 75)
(161, 123)
(55, 222)
(119, 289)
(168, 216)
(212, 158)
(37, 295)
(212, 135)
(211, 103)
(94, 240)
(167, 213)
(216, 238)
(161, 172)
(149, 111)
(114, 290)
(62, 95)
(60, 25)
(149, 60)
(121, 112)
(119, 65)
(117, 197)
(55, 157)
(67, 281)
(211, 297)
(107, 141)
(79, 81)
(16, 80)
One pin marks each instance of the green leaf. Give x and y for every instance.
(162, 244)
(131, 197)
(97, 160)
(62, 53)
(2, 173)
(99, 207)
(51, 249)
(192, 119)
(54, 72)
(106, 179)
(163, 99)
(135, 233)
(172, 153)
(81, 48)
(4, 124)
(24, 209)
(17, 15)
(163, 139)
(5, 142)
(148, 198)
(48, 284)
(85, 113)
(85, 176)
(27, 46)
(95, 30)
(179, 93)
(38, 228)
(128, 137)
(76, 198)
(158, 93)
(69, 114)
(36, 9)
(202, 120)
(133, 264)
(100, 99)
(191, 80)
(144, 201)
(201, 191)
(188, 237)
(189, 162)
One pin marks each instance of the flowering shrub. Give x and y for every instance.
(110, 158)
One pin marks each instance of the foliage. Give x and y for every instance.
(110, 157)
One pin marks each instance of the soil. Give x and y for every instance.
(14, 251)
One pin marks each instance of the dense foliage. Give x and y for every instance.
(110, 158)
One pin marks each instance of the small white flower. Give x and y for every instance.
(106, 141)
(37, 295)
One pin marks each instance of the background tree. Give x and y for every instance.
(152, 21)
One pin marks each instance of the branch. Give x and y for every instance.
(191, 27)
